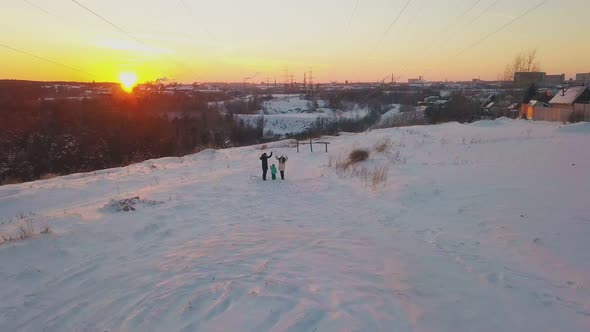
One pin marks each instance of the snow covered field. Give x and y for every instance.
(293, 114)
(480, 227)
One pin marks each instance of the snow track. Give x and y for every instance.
(484, 228)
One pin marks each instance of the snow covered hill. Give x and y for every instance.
(289, 114)
(480, 227)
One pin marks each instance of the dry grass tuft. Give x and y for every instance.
(23, 232)
(23, 229)
(358, 155)
(46, 229)
(350, 167)
(378, 176)
(383, 145)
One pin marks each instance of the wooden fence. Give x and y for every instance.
(582, 111)
(311, 143)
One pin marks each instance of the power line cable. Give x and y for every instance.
(488, 36)
(380, 41)
(191, 14)
(38, 7)
(123, 31)
(356, 4)
(391, 25)
(100, 17)
(46, 59)
(485, 11)
(477, 42)
(437, 45)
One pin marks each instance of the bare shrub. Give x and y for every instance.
(397, 158)
(130, 204)
(23, 232)
(341, 166)
(46, 229)
(26, 231)
(262, 147)
(379, 176)
(10, 180)
(371, 177)
(383, 145)
(358, 155)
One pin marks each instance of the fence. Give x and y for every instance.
(311, 143)
(582, 111)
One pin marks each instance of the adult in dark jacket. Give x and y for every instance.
(265, 159)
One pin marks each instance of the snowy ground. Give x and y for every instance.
(293, 114)
(480, 227)
(283, 124)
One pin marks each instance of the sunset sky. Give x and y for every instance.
(227, 40)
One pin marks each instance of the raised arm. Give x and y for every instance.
(270, 155)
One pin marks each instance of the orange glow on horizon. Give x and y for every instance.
(128, 81)
(438, 40)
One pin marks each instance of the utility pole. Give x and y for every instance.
(286, 77)
(310, 78)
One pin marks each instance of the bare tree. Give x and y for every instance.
(523, 62)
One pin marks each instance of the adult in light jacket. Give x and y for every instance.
(282, 164)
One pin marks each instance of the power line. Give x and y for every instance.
(437, 45)
(128, 34)
(356, 5)
(470, 8)
(453, 35)
(191, 14)
(101, 17)
(38, 7)
(392, 25)
(380, 41)
(488, 36)
(485, 11)
(383, 84)
(45, 59)
(458, 18)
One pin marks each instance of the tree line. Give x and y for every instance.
(63, 136)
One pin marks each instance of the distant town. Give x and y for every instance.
(554, 97)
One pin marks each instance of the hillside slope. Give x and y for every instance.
(480, 227)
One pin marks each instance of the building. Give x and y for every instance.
(568, 97)
(530, 109)
(415, 80)
(490, 110)
(583, 78)
(553, 80)
(528, 78)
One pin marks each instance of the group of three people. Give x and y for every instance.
(273, 169)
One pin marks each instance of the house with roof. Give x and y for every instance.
(568, 97)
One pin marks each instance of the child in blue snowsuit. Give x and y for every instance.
(273, 171)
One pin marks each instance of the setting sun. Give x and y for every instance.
(128, 81)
